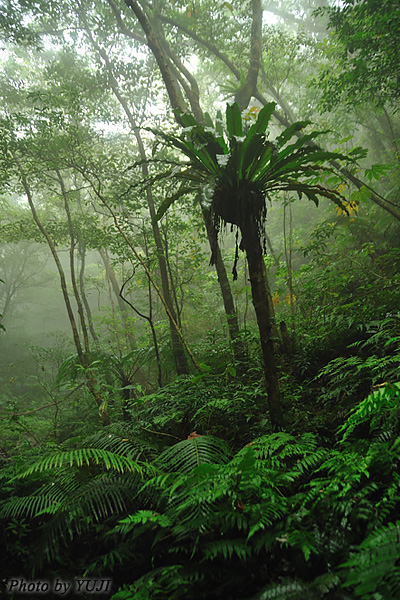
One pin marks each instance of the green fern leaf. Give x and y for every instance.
(188, 454)
(375, 561)
(85, 457)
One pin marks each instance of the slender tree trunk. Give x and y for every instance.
(90, 379)
(244, 94)
(288, 259)
(265, 319)
(151, 322)
(138, 256)
(161, 53)
(82, 256)
(239, 347)
(178, 351)
(178, 306)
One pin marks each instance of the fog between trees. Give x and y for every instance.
(199, 265)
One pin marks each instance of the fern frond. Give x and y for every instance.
(291, 590)
(184, 456)
(226, 549)
(26, 506)
(122, 444)
(141, 517)
(101, 498)
(105, 563)
(374, 563)
(371, 408)
(85, 457)
(264, 516)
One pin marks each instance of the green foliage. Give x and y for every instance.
(375, 410)
(76, 491)
(373, 569)
(367, 66)
(369, 363)
(188, 454)
(165, 583)
(85, 456)
(272, 500)
(191, 495)
(248, 160)
(322, 518)
(13, 26)
(217, 404)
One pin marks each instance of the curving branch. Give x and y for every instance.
(244, 94)
(123, 28)
(213, 49)
(155, 47)
(178, 70)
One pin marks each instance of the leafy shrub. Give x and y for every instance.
(282, 517)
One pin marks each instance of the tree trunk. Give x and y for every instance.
(160, 53)
(82, 256)
(265, 318)
(244, 94)
(111, 277)
(239, 347)
(178, 351)
(89, 376)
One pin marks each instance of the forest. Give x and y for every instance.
(200, 299)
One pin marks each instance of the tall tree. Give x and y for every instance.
(234, 178)
(31, 153)
(178, 351)
(178, 81)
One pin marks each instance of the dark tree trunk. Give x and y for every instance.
(265, 318)
(82, 256)
(238, 345)
(163, 56)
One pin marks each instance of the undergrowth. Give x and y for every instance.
(283, 516)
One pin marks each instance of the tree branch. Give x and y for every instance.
(244, 94)
(155, 47)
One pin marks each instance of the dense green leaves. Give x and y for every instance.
(367, 67)
(281, 498)
(85, 456)
(251, 160)
(189, 493)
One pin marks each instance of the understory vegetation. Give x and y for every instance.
(200, 300)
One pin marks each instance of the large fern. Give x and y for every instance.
(373, 408)
(227, 511)
(209, 520)
(85, 457)
(77, 489)
(193, 452)
(373, 570)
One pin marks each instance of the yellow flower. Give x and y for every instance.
(290, 299)
(351, 206)
(275, 299)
